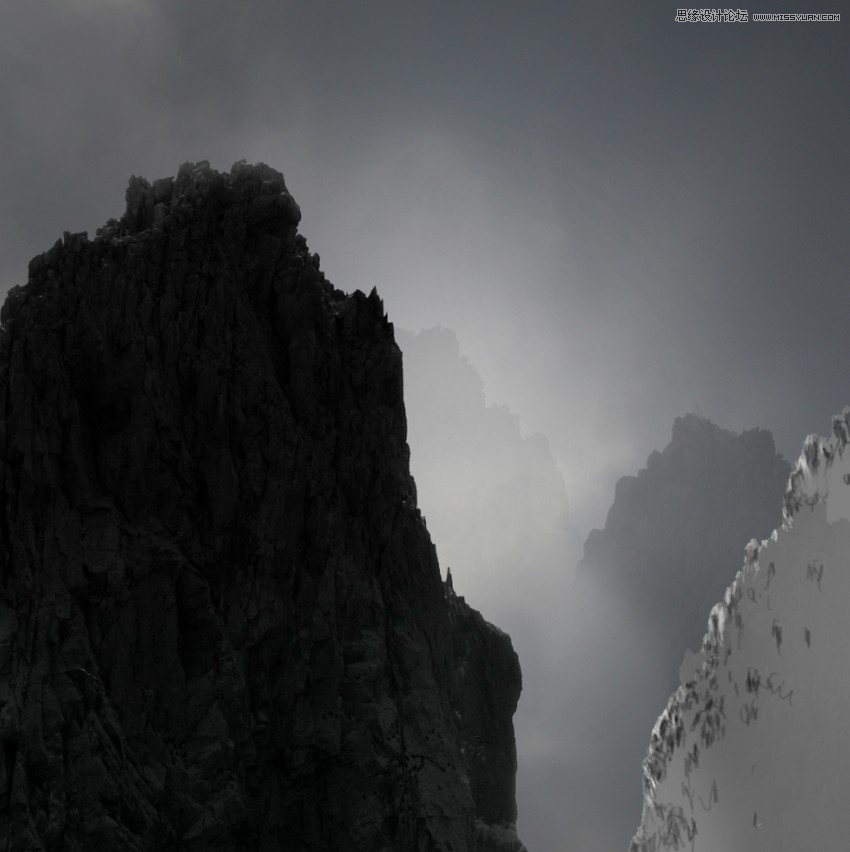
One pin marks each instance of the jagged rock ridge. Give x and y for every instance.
(689, 512)
(751, 751)
(671, 540)
(222, 623)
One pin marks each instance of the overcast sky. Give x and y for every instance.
(624, 218)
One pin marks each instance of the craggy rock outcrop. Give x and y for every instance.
(497, 509)
(674, 526)
(222, 622)
(487, 686)
(672, 539)
(751, 751)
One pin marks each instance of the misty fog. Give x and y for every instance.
(622, 218)
(600, 622)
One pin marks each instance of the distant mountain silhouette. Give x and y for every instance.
(751, 751)
(497, 508)
(493, 499)
(676, 532)
(674, 538)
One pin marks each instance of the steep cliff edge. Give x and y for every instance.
(497, 509)
(672, 539)
(495, 499)
(222, 623)
(751, 751)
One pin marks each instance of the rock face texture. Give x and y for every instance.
(222, 622)
(751, 751)
(674, 536)
(496, 506)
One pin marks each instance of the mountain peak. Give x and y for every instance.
(255, 192)
(222, 619)
(750, 751)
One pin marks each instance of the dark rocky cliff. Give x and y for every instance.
(222, 622)
(497, 509)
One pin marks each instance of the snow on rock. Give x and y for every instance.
(751, 752)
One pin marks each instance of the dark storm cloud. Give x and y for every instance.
(621, 216)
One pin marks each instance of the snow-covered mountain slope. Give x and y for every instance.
(752, 750)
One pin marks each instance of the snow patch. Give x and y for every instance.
(751, 750)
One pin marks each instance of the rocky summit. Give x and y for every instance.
(675, 531)
(222, 621)
(673, 539)
(751, 751)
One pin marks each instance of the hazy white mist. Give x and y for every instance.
(621, 218)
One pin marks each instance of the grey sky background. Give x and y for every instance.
(622, 217)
